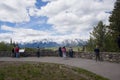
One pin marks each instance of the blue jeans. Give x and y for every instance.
(17, 55)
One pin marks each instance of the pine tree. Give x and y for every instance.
(98, 35)
(114, 27)
(115, 20)
(90, 44)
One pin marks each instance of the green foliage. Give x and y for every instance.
(90, 44)
(75, 48)
(5, 46)
(115, 19)
(106, 36)
(114, 27)
(98, 36)
(110, 44)
(30, 49)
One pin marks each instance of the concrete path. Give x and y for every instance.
(106, 69)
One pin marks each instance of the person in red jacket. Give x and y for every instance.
(17, 51)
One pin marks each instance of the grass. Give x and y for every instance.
(43, 71)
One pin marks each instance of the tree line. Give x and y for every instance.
(5, 46)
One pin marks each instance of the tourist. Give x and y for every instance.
(60, 51)
(17, 52)
(97, 53)
(38, 52)
(71, 52)
(64, 52)
(13, 52)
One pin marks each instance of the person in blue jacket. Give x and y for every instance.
(97, 53)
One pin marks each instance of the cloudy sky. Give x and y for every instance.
(28, 20)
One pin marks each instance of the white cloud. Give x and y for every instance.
(27, 35)
(75, 15)
(21, 34)
(69, 18)
(48, 0)
(15, 10)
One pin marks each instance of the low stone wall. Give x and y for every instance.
(5, 54)
(105, 56)
(29, 53)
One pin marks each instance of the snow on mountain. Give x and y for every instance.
(52, 43)
(74, 42)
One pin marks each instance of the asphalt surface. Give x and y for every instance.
(105, 69)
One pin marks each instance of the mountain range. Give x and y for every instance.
(52, 43)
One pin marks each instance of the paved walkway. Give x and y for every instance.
(106, 69)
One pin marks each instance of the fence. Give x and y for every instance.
(105, 56)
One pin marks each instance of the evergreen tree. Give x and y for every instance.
(90, 44)
(98, 36)
(106, 36)
(114, 27)
(5, 47)
(115, 20)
